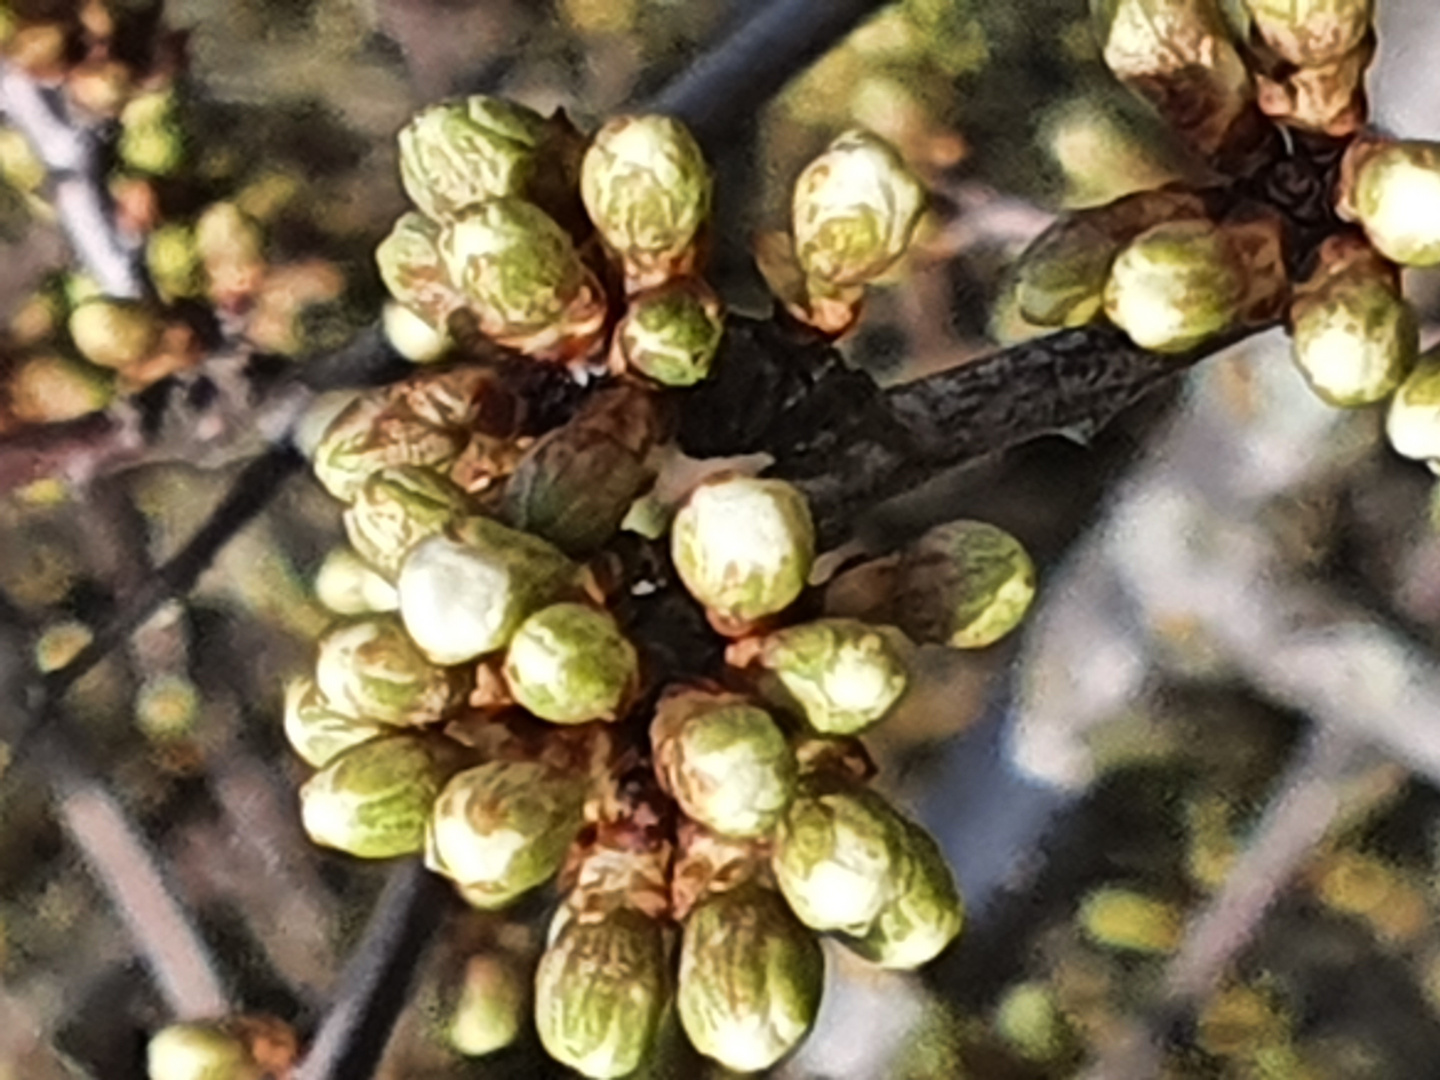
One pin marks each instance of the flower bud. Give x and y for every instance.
(646, 187)
(369, 435)
(231, 247)
(1175, 285)
(965, 584)
(1413, 423)
(723, 760)
(518, 271)
(463, 595)
(151, 138)
(743, 546)
(374, 799)
(317, 732)
(1124, 919)
(600, 990)
(199, 1050)
(1355, 338)
(489, 1014)
(1394, 193)
(370, 670)
(411, 336)
(570, 664)
(413, 271)
(1309, 33)
(348, 585)
(502, 828)
(838, 852)
(750, 978)
(114, 333)
(672, 333)
(846, 674)
(396, 508)
(463, 152)
(923, 914)
(854, 210)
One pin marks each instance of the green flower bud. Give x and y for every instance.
(173, 262)
(369, 435)
(1413, 423)
(1396, 199)
(374, 799)
(600, 990)
(519, 273)
(922, 915)
(490, 1011)
(370, 670)
(317, 732)
(724, 761)
(838, 853)
(114, 333)
(199, 1051)
(411, 336)
(1175, 286)
(151, 138)
(1130, 921)
(1308, 33)
(1029, 1018)
(1355, 338)
(502, 828)
(847, 675)
(854, 210)
(413, 271)
(1061, 281)
(396, 508)
(965, 584)
(569, 664)
(646, 187)
(465, 594)
(463, 152)
(20, 166)
(348, 585)
(744, 546)
(750, 979)
(672, 333)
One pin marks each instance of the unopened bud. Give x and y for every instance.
(965, 584)
(1413, 423)
(413, 270)
(490, 1011)
(151, 138)
(672, 333)
(199, 1050)
(317, 732)
(369, 435)
(846, 674)
(1309, 33)
(570, 664)
(348, 585)
(1394, 194)
(371, 670)
(924, 912)
(1123, 919)
(114, 333)
(396, 508)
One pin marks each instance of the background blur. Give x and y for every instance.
(1234, 580)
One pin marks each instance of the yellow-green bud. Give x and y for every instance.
(672, 333)
(1062, 276)
(413, 271)
(854, 210)
(399, 506)
(21, 167)
(846, 674)
(491, 1007)
(1029, 1018)
(173, 262)
(348, 585)
(464, 594)
(367, 436)
(462, 152)
(317, 732)
(924, 912)
(838, 853)
(1308, 33)
(199, 1051)
(750, 978)
(151, 138)
(371, 670)
(724, 761)
(502, 828)
(570, 664)
(374, 800)
(1130, 921)
(1413, 423)
(965, 584)
(1175, 285)
(114, 333)
(1396, 199)
(743, 546)
(600, 990)
(646, 187)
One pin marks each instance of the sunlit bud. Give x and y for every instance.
(750, 978)
(173, 262)
(47, 388)
(570, 664)
(462, 152)
(317, 732)
(399, 506)
(114, 333)
(646, 187)
(1413, 423)
(348, 585)
(1130, 921)
(600, 990)
(922, 915)
(490, 1012)
(199, 1050)
(1308, 33)
(411, 336)
(502, 828)
(1029, 1018)
(839, 851)
(367, 436)
(369, 669)
(1328, 98)
(854, 210)
(845, 674)
(723, 760)
(672, 333)
(463, 595)
(151, 138)
(1394, 193)
(413, 271)
(1176, 285)
(1355, 338)
(965, 584)
(231, 247)
(374, 800)
(743, 546)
